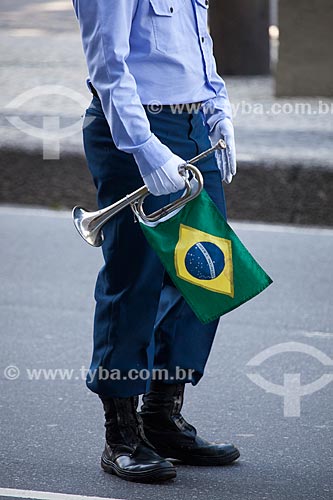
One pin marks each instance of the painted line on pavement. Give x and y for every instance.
(279, 228)
(245, 226)
(35, 212)
(44, 495)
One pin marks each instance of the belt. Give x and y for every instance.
(155, 108)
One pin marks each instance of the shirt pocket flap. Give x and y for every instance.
(203, 3)
(166, 7)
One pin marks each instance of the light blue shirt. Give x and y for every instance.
(143, 51)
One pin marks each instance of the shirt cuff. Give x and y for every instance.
(152, 155)
(216, 109)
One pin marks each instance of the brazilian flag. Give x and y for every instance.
(207, 262)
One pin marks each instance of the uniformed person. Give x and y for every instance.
(157, 100)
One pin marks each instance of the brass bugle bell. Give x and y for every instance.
(89, 224)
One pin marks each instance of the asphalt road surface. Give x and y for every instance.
(51, 433)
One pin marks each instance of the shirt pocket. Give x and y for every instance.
(167, 17)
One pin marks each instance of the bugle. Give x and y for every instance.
(89, 224)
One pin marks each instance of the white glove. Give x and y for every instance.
(226, 158)
(165, 179)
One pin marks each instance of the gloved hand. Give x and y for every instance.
(165, 179)
(226, 158)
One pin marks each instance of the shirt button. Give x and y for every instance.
(203, 39)
(171, 10)
(207, 3)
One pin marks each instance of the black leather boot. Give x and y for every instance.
(128, 454)
(172, 436)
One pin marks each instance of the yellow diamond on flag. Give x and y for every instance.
(204, 260)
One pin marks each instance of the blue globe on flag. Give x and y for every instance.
(205, 261)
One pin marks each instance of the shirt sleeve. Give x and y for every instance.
(218, 107)
(105, 29)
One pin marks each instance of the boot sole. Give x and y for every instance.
(151, 476)
(199, 460)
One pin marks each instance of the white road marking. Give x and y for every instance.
(243, 226)
(280, 228)
(27, 32)
(245, 435)
(44, 495)
(325, 335)
(35, 212)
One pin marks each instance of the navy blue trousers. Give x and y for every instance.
(141, 321)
